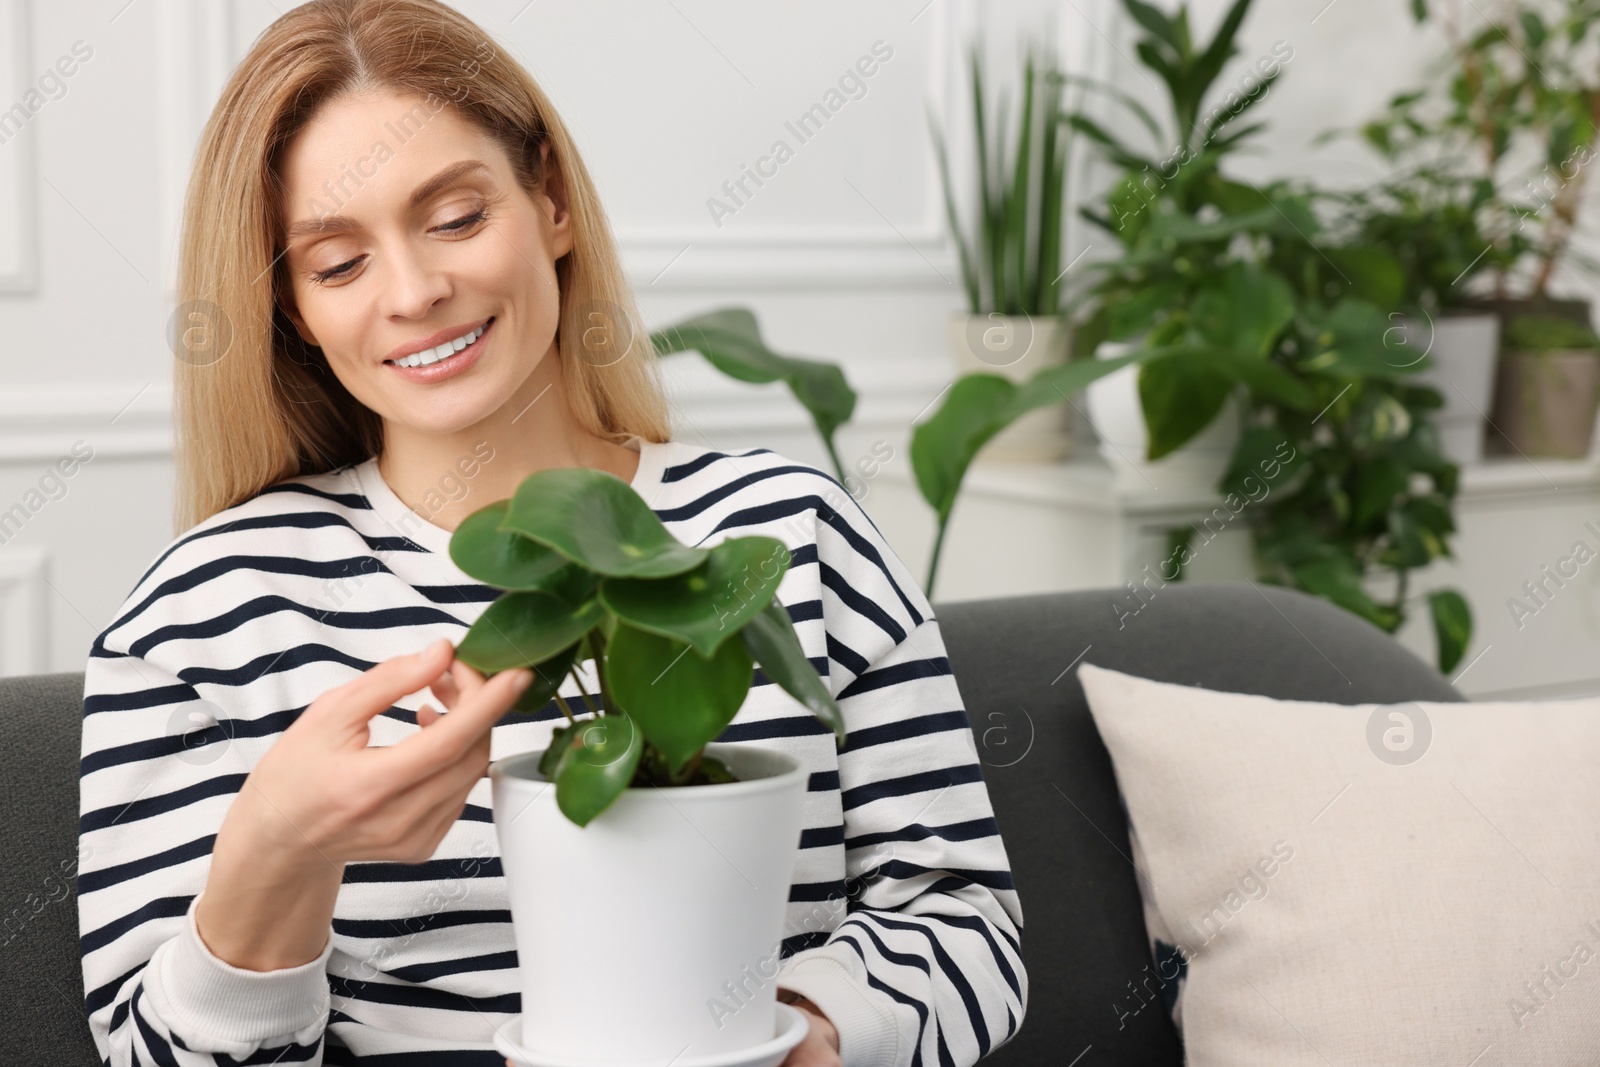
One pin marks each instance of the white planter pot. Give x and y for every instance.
(1464, 349)
(1118, 420)
(1016, 347)
(653, 933)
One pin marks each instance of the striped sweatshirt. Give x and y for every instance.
(903, 924)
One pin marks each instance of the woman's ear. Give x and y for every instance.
(556, 213)
(291, 310)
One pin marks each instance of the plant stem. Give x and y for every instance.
(597, 645)
(572, 672)
(833, 454)
(689, 768)
(563, 705)
(933, 563)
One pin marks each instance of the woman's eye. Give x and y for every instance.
(335, 272)
(464, 221)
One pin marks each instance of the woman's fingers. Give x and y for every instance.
(377, 689)
(427, 715)
(454, 735)
(466, 679)
(444, 688)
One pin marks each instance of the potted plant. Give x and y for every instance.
(648, 866)
(1229, 292)
(1176, 219)
(1011, 269)
(1429, 219)
(1545, 403)
(1517, 109)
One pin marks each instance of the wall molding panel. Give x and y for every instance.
(24, 623)
(19, 238)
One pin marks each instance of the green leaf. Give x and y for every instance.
(1116, 151)
(1378, 483)
(944, 445)
(1263, 457)
(560, 737)
(771, 639)
(1452, 626)
(595, 765)
(1337, 579)
(1431, 511)
(520, 629)
(1408, 545)
(1533, 28)
(1221, 48)
(597, 520)
(1268, 380)
(679, 699)
(502, 558)
(1180, 395)
(1379, 419)
(1246, 312)
(547, 676)
(1375, 275)
(1155, 22)
(709, 604)
(730, 340)
(1419, 10)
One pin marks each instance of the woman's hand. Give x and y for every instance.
(320, 797)
(321, 790)
(820, 1046)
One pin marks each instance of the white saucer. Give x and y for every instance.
(792, 1027)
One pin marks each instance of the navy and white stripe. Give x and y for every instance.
(903, 923)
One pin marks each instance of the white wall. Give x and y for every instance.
(842, 254)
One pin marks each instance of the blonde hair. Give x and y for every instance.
(254, 404)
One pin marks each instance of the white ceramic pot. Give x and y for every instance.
(1118, 419)
(653, 933)
(1464, 350)
(1016, 347)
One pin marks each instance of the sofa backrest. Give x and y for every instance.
(1054, 792)
(1050, 778)
(41, 984)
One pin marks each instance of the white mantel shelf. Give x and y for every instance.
(1022, 528)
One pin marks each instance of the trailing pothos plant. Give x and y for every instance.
(673, 630)
(1230, 289)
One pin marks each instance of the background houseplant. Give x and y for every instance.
(1516, 108)
(1229, 288)
(673, 632)
(1545, 403)
(1428, 218)
(730, 340)
(1011, 266)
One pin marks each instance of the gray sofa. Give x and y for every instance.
(1050, 778)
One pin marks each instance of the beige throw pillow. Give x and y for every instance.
(1411, 884)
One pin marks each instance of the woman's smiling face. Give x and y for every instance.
(398, 247)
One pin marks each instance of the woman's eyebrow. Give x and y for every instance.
(446, 178)
(434, 185)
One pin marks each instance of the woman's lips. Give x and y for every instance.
(448, 367)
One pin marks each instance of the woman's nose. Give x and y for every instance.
(414, 286)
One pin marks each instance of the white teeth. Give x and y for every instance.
(434, 355)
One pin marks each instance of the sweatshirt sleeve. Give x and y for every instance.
(159, 768)
(924, 966)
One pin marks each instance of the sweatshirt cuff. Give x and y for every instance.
(868, 1036)
(206, 996)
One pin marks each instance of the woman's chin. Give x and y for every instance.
(445, 416)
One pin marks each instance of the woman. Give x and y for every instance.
(402, 298)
